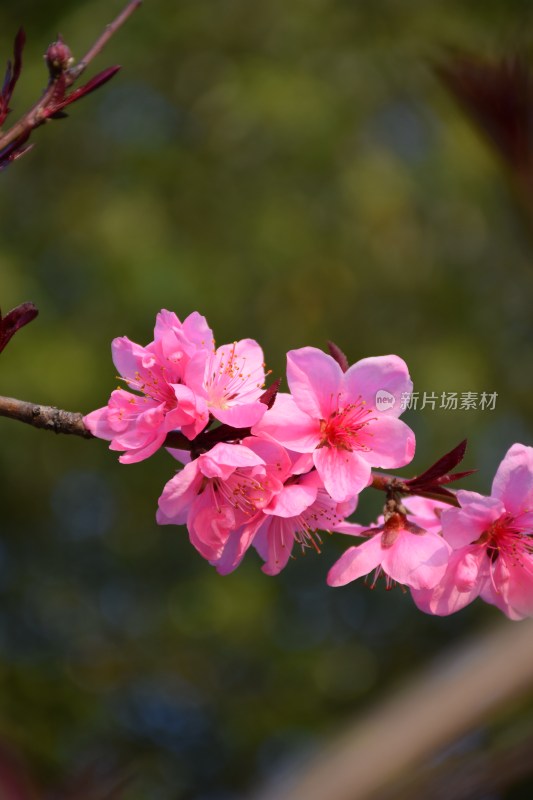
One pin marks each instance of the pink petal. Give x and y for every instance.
(380, 373)
(314, 379)
(234, 376)
(234, 550)
(209, 527)
(425, 513)
(165, 321)
(292, 501)
(511, 588)
(390, 441)
(98, 424)
(356, 562)
(301, 463)
(178, 494)
(351, 528)
(127, 358)
(197, 330)
(461, 526)
(459, 586)
(223, 459)
(274, 455)
(344, 474)
(183, 456)
(418, 561)
(286, 424)
(166, 331)
(275, 545)
(240, 416)
(134, 455)
(252, 359)
(195, 372)
(513, 482)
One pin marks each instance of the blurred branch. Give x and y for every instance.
(62, 75)
(497, 97)
(478, 770)
(432, 711)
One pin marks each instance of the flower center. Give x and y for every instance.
(245, 493)
(342, 429)
(228, 378)
(508, 538)
(153, 384)
(320, 516)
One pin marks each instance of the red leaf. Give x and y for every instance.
(433, 492)
(455, 476)
(338, 355)
(12, 74)
(15, 150)
(440, 467)
(87, 88)
(14, 320)
(269, 395)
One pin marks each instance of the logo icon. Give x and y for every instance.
(384, 400)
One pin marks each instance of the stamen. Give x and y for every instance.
(342, 429)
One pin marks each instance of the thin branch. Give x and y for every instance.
(71, 423)
(48, 417)
(387, 483)
(98, 46)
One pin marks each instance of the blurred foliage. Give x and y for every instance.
(296, 173)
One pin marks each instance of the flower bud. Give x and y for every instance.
(58, 57)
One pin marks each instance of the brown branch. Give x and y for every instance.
(71, 422)
(386, 483)
(48, 417)
(390, 483)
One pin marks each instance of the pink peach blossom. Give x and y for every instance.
(425, 513)
(296, 516)
(230, 381)
(492, 538)
(215, 494)
(332, 414)
(138, 421)
(401, 550)
(298, 509)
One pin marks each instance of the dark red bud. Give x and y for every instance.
(58, 57)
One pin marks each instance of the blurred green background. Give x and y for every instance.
(296, 173)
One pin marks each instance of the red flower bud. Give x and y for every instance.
(58, 57)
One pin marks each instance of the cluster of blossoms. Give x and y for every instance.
(267, 469)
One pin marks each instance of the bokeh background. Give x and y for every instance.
(297, 173)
